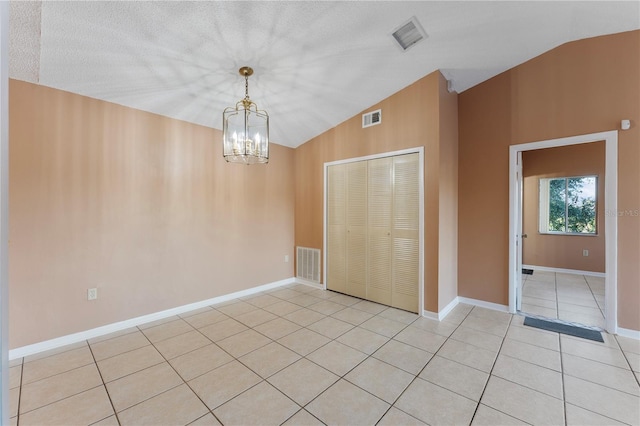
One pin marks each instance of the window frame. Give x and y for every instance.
(543, 217)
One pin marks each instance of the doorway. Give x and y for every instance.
(610, 223)
(563, 233)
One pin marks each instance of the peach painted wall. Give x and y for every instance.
(141, 206)
(582, 87)
(562, 251)
(422, 114)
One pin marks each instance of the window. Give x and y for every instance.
(568, 205)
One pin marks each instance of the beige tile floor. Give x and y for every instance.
(569, 297)
(298, 355)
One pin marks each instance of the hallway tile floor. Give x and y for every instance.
(304, 356)
(569, 297)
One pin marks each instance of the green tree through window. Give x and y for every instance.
(557, 205)
(568, 205)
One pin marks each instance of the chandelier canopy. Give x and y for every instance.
(245, 129)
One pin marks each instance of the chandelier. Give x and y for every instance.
(245, 129)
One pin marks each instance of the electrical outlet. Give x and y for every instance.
(585, 252)
(286, 258)
(92, 294)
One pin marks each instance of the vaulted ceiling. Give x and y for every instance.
(316, 63)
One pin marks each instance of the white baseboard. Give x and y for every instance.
(319, 286)
(626, 332)
(443, 312)
(122, 325)
(447, 309)
(565, 271)
(483, 304)
(430, 315)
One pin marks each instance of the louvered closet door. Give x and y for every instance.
(405, 233)
(357, 229)
(337, 228)
(379, 215)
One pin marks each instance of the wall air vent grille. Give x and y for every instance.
(409, 33)
(308, 264)
(371, 118)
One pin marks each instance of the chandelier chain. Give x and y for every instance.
(246, 86)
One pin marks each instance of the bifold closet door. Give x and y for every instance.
(379, 221)
(347, 228)
(337, 228)
(373, 230)
(406, 229)
(357, 229)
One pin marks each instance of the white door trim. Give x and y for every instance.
(611, 219)
(4, 211)
(420, 151)
(519, 241)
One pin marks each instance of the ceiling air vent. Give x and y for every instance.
(371, 118)
(409, 33)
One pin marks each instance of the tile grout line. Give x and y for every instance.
(564, 398)
(182, 378)
(597, 344)
(555, 284)
(624, 354)
(297, 353)
(143, 369)
(564, 388)
(345, 379)
(359, 363)
(594, 298)
(218, 346)
(563, 374)
(115, 413)
(306, 411)
(302, 407)
(416, 376)
(519, 384)
(65, 398)
(49, 377)
(475, 412)
(573, 338)
(562, 363)
(20, 392)
(146, 368)
(256, 349)
(94, 362)
(557, 301)
(262, 379)
(265, 380)
(591, 298)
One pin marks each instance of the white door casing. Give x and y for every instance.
(519, 237)
(4, 211)
(611, 223)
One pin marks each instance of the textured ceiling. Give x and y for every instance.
(316, 63)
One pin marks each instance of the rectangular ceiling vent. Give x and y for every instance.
(409, 33)
(371, 118)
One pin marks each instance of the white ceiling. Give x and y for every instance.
(316, 63)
